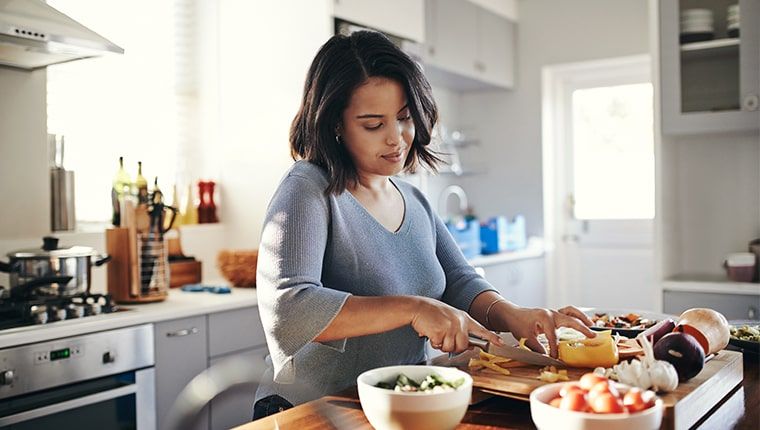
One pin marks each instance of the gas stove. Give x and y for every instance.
(46, 310)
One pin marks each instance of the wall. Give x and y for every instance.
(509, 122)
(263, 62)
(24, 176)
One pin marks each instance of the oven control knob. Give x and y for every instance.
(7, 377)
(109, 357)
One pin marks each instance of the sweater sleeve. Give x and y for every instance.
(294, 305)
(463, 284)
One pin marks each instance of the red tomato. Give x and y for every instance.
(569, 387)
(606, 403)
(590, 379)
(574, 401)
(556, 402)
(634, 401)
(602, 388)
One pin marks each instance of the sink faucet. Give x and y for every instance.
(443, 200)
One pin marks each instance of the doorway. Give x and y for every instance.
(599, 190)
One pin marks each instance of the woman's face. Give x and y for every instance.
(377, 128)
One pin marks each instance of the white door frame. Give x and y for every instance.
(558, 82)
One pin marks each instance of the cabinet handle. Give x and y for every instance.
(183, 332)
(751, 313)
(750, 103)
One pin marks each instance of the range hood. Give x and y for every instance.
(34, 35)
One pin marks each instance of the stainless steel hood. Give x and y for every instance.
(34, 35)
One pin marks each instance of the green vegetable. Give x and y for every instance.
(746, 332)
(405, 384)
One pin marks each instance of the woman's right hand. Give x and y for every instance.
(446, 327)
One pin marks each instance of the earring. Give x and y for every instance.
(337, 139)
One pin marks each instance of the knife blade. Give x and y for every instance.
(511, 350)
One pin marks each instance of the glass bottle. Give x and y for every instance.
(141, 184)
(189, 211)
(121, 186)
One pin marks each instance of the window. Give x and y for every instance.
(613, 152)
(139, 105)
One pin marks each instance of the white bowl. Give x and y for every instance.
(391, 410)
(548, 417)
(693, 13)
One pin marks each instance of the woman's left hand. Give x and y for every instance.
(528, 323)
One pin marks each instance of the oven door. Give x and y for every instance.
(122, 401)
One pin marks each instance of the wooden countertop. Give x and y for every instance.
(740, 410)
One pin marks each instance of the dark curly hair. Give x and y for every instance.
(342, 64)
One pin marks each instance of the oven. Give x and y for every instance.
(102, 380)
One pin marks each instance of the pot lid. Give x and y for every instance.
(50, 249)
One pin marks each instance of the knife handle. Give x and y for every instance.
(476, 341)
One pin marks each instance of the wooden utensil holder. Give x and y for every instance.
(140, 269)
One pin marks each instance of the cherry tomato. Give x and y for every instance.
(634, 401)
(556, 402)
(569, 387)
(590, 379)
(606, 403)
(574, 401)
(601, 388)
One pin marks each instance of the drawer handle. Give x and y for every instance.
(183, 332)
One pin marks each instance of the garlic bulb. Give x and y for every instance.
(645, 373)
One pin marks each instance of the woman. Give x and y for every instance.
(355, 267)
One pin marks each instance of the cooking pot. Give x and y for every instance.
(52, 271)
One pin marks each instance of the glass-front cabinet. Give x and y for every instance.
(709, 61)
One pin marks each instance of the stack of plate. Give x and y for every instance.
(732, 21)
(696, 25)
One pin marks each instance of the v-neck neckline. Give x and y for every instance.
(404, 219)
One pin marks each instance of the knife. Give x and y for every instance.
(513, 351)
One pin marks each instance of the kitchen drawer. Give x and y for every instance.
(733, 306)
(234, 331)
(234, 407)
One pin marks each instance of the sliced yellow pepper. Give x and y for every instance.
(600, 351)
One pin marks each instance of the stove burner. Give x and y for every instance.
(44, 310)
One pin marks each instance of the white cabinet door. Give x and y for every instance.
(496, 49)
(403, 18)
(181, 354)
(522, 282)
(234, 407)
(711, 86)
(452, 35)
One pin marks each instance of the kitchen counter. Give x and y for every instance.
(179, 304)
(534, 249)
(343, 411)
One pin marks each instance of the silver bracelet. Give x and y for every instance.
(488, 311)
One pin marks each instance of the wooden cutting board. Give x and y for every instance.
(684, 407)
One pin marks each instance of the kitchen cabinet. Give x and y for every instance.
(181, 354)
(711, 86)
(234, 407)
(520, 281)
(402, 18)
(468, 47)
(188, 346)
(732, 306)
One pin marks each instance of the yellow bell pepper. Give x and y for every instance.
(600, 351)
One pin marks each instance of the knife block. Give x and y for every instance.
(140, 269)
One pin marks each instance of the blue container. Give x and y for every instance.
(493, 235)
(466, 234)
(516, 236)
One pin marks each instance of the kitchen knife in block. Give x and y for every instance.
(511, 349)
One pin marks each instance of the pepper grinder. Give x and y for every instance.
(206, 207)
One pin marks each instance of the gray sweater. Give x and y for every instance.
(318, 249)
